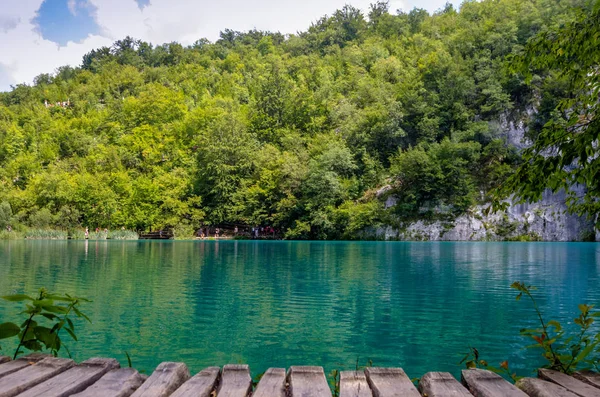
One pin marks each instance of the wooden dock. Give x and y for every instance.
(39, 375)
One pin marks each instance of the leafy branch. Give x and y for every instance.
(47, 307)
(564, 353)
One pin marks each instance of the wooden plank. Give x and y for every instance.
(20, 363)
(165, 379)
(308, 381)
(442, 384)
(200, 385)
(390, 382)
(19, 381)
(541, 388)
(235, 381)
(4, 359)
(484, 383)
(354, 384)
(272, 384)
(73, 380)
(568, 382)
(116, 383)
(591, 378)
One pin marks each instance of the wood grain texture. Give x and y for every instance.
(26, 378)
(165, 379)
(308, 381)
(116, 383)
(272, 384)
(442, 384)
(200, 385)
(576, 386)
(541, 388)
(235, 381)
(354, 384)
(390, 382)
(591, 378)
(12, 366)
(73, 380)
(484, 383)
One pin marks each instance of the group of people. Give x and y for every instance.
(217, 232)
(62, 104)
(87, 231)
(263, 231)
(255, 232)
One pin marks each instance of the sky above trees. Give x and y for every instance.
(38, 36)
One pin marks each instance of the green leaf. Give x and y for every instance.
(33, 345)
(17, 297)
(53, 308)
(70, 332)
(61, 298)
(80, 314)
(8, 330)
(45, 335)
(555, 324)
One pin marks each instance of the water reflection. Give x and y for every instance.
(416, 305)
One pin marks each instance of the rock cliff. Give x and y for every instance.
(546, 220)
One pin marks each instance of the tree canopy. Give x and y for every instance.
(301, 132)
(564, 151)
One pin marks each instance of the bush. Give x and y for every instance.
(45, 309)
(183, 231)
(122, 235)
(12, 235)
(41, 219)
(97, 235)
(46, 234)
(6, 215)
(77, 234)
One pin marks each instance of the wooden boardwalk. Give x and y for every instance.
(45, 376)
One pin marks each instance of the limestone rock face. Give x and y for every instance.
(546, 220)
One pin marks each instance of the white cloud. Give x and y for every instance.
(72, 5)
(25, 54)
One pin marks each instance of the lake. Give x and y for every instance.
(417, 305)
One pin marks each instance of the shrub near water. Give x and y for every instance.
(122, 235)
(46, 234)
(12, 235)
(564, 351)
(47, 315)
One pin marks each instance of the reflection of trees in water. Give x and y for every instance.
(416, 305)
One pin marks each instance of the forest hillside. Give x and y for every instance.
(306, 133)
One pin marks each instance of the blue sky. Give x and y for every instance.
(38, 36)
(62, 21)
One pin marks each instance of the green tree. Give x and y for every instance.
(565, 152)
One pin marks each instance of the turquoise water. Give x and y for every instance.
(414, 305)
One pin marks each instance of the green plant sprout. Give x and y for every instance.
(45, 307)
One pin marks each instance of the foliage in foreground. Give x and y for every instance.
(564, 351)
(46, 316)
(297, 132)
(563, 62)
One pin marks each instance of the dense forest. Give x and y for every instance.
(307, 133)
